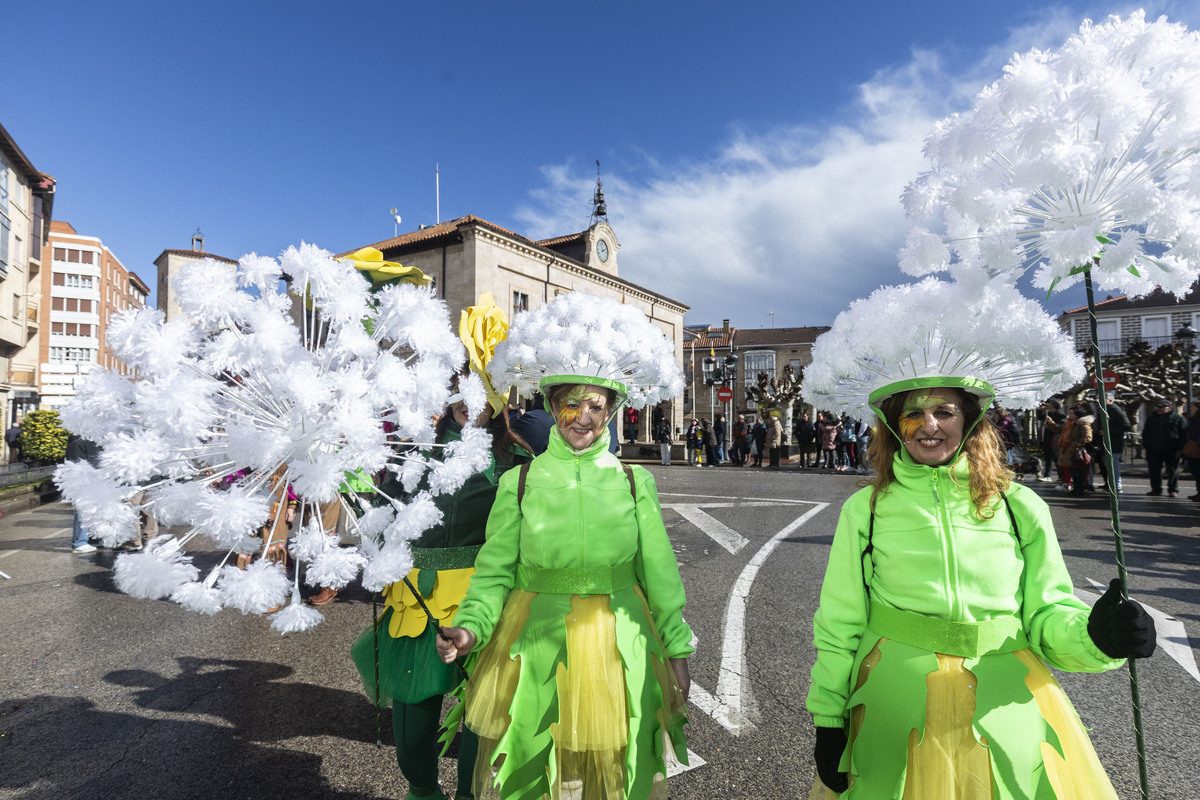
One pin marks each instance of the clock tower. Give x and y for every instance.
(602, 244)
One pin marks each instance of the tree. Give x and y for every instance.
(771, 394)
(43, 438)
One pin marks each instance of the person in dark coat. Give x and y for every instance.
(1163, 436)
(1118, 426)
(806, 438)
(81, 449)
(759, 434)
(533, 427)
(1193, 436)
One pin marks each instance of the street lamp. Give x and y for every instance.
(1186, 337)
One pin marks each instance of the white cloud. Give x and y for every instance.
(797, 220)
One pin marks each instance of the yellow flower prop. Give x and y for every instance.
(481, 327)
(381, 272)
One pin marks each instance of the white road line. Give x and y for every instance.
(1172, 637)
(732, 702)
(56, 534)
(716, 530)
(780, 500)
(673, 765)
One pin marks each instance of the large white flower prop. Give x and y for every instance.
(1084, 152)
(934, 329)
(235, 406)
(585, 335)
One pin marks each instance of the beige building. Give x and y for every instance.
(469, 256)
(85, 287)
(756, 350)
(168, 264)
(26, 203)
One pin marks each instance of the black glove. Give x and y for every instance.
(1121, 628)
(831, 743)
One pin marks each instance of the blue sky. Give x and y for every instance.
(752, 154)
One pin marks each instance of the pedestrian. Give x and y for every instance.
(81, 449)
(411, 675)
(758, 437)
(827, 433)
(533, 426)
(774, 439)
(631, 424)
(1191, 447)
(1163, 436)
(1074, 455)
(864, 442)
(847, 444)
(576, 612)
(663, 437)
(1051, 418)
(719, 437)
(1118, 427)
(692, 443)
(709, 438)
(806, 437)
(12, 438)
(939, 613)
(741, 432)
(1006, 428)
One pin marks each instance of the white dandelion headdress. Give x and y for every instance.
(581, 338)
(988, 340)
(1087, 157)
(238, 407)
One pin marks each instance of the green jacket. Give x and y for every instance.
(934, 557)
(577, 511)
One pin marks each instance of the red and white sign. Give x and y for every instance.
(1110, 378)
(724, 394)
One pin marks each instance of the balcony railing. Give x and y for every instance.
(1117, 347)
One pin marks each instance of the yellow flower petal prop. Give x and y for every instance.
(481, 327)
(370, 261)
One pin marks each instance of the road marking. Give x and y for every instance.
(716, 530)
(1172, 637)
(732, 704)
(673, 765)
(774, 501)
(56, 534)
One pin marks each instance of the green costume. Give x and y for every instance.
(571, 567)
(410, 672)
(925, 576)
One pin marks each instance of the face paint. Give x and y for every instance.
(931, 426)
(572, 404)
(918, 402)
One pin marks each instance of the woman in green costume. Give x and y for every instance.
(410, 674)
(944, 599)
(575, 615)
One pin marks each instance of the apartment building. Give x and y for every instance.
(26, 203)
(86, 286)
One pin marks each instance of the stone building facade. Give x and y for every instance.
(469, 256)
(168, 264)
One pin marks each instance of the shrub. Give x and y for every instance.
(43, 438)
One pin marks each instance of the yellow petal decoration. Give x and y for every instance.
(370, 261)
(481, 327)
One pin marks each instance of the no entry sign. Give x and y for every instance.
(724, 394)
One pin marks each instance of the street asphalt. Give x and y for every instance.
(106, 696)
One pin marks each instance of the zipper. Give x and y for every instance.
(579, 500)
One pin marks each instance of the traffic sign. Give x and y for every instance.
(1110, 378)
(724, 394)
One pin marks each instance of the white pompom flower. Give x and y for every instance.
(285, 383)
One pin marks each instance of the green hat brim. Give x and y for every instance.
(591, 380)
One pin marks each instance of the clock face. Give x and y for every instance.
(602, 249)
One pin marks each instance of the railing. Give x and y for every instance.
(1117, 347)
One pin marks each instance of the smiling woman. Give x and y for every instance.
(581, 411)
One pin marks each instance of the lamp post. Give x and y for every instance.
(1186, 337)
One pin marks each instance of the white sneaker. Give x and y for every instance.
(84, 549)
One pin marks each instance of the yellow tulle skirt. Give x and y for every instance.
(575, 698)
(950, 762)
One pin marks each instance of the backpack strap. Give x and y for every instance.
(1012, 518)
(866, 554)
(632, 486)
(521, 476)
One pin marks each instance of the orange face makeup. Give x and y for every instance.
(909, 423)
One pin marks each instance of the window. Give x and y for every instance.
(1156, 330)
(1108, 336)
(759, 362)
(60, 279)
(5, 229)
(56, 303)
(16, 306)
(72, 304)
(73, 256)
(60, 254)
(56, 327)
(86, 257)
(520, 303)
(85, 306)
